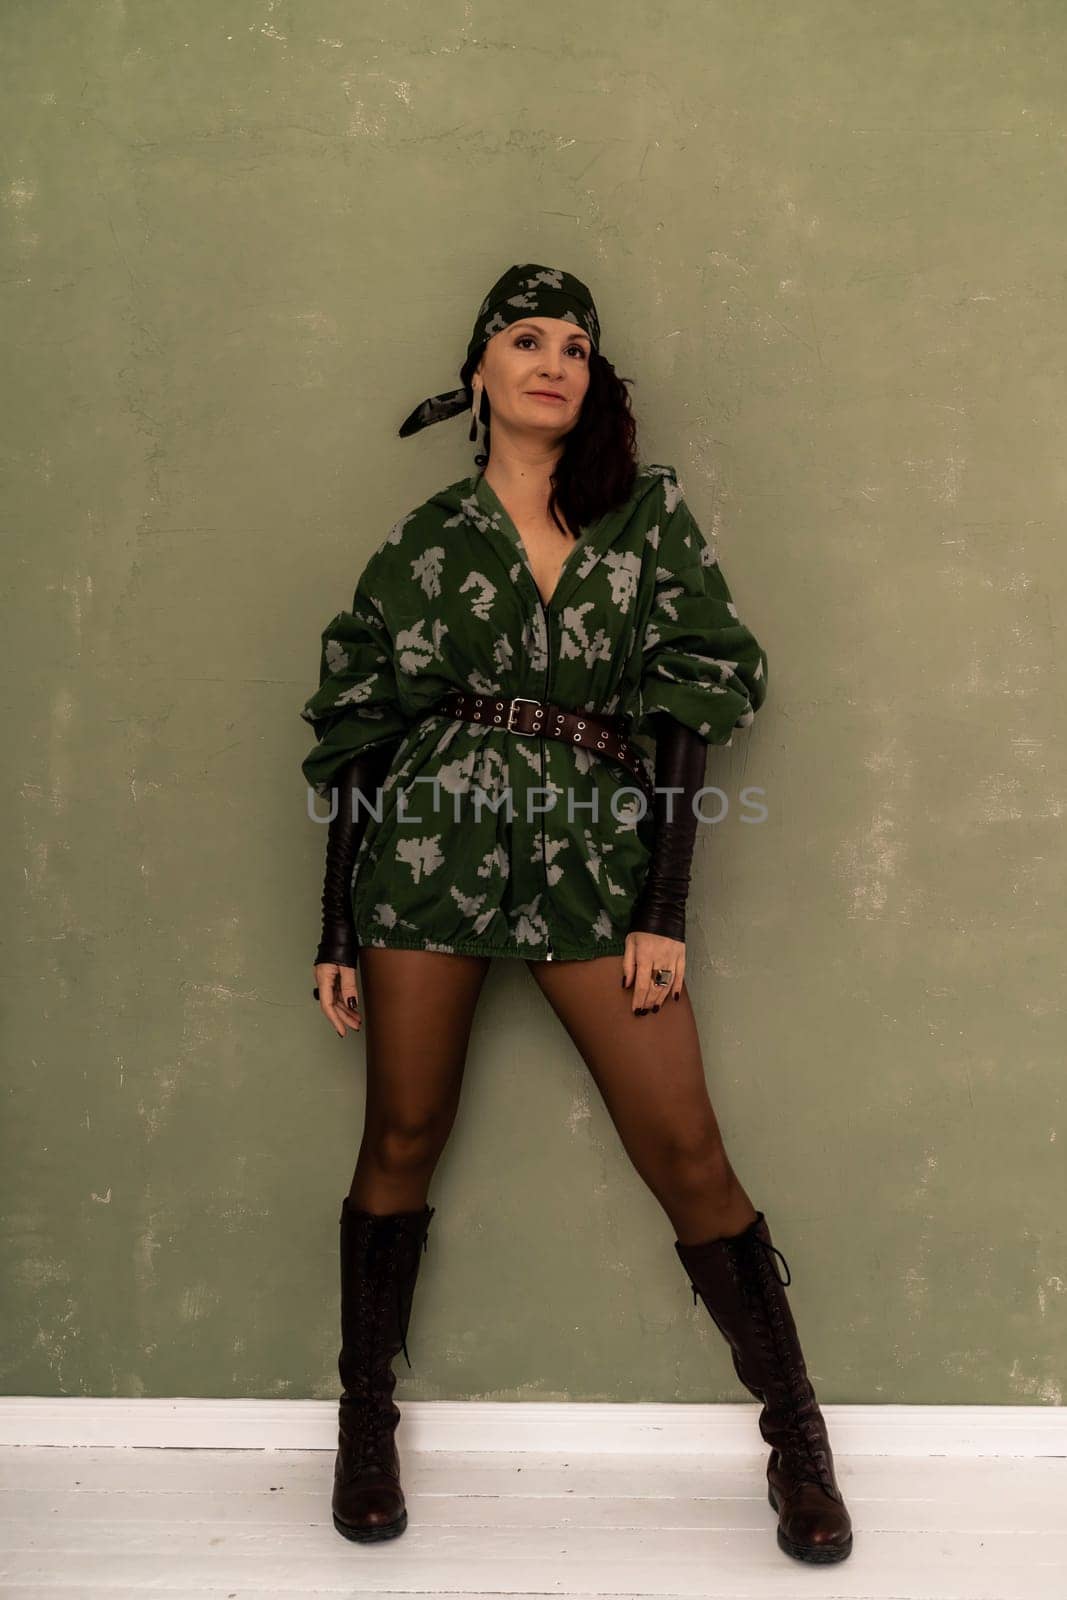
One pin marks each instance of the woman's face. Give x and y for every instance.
(526, 359)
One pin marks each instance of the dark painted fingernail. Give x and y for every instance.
(655, 1008)
(624, 983)
(678, 996)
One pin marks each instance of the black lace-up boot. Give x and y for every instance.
(380, 1258)
(737, 1279)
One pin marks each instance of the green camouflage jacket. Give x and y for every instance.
(487, 842)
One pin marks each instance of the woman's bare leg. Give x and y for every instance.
(650, 1075)
(417, 1008)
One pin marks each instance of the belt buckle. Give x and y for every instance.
(526, 733)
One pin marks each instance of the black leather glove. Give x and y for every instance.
(366, 772)
(681, 759)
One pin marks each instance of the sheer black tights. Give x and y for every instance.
(418, 1007)
(650, 1076)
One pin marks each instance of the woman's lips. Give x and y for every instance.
(538, 394)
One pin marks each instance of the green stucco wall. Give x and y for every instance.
(241, 241)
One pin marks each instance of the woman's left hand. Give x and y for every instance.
(644, 954)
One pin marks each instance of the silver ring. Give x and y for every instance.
(662, 976)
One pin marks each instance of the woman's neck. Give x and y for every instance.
(522, 475)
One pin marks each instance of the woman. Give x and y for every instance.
(473, 713)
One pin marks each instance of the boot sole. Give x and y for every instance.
(820, 1553)
(383, 1530)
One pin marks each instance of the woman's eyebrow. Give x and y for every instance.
(577, 332)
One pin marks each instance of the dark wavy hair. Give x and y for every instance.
(597, 469)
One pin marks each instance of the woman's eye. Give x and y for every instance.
(529, 336)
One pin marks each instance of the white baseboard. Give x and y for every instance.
(726, 1429)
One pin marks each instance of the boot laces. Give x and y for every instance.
(385, 1247)
(373, 1404)
(799, 1413)
(367, 1441)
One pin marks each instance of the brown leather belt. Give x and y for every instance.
(543, 719)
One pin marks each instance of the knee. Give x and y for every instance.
(408, 1147)
(697, 1165)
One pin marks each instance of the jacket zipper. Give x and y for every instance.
(544, 701)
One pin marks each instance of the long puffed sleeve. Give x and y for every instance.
(701, 664)
(357, 703)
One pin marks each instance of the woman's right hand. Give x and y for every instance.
(338, 1000)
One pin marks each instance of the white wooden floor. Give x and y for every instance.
(192, 1523)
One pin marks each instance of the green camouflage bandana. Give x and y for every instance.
(518, 293)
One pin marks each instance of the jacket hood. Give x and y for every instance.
(452, 496)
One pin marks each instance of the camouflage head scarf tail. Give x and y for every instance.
(519, 292)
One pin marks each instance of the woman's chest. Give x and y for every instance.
(546, 550)
(481, 583)
(545, 547)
